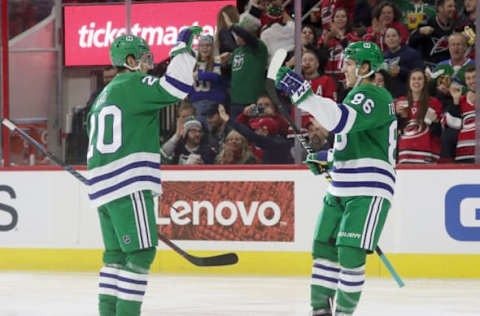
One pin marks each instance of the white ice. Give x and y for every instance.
(74, 294)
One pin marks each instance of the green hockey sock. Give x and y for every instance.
(324, 275)
(107, 297)
(350, 280)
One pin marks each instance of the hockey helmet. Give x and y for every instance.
(365, 52)
(126, 45)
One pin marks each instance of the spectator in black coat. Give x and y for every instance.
(275, 148)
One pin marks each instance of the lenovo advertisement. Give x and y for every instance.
(89, 30)
(228, 211)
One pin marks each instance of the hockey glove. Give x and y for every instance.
(317, 162)
(184, 41)
(297, 88)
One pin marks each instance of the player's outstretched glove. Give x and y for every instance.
(317, 162)
(184, 41)
(297, 88)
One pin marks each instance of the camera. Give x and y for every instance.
(257, 110)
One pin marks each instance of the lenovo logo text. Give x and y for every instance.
(225, 213)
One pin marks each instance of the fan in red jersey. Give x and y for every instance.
(419, 122)
(462, 116)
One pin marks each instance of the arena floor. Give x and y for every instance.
(74, 294)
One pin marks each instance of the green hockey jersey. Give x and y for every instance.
(365, 150)
(365, 127)
(123, 126)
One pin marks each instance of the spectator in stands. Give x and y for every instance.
(465, 24)
(415, 12)
(452, 68)
(385, 15)
(382, 79)
(315, 19)
(275, 148)
(419, 122)
(184, 111)
(431, 36)
(334, 40)
(216, 128)
(185, 147)
(274, 13)
(235, 150)
(249, 63)
(309, 36)
(224, 39)
(263, 108)
(319, 138)
(279, 35)
(447, 73)
(462, 116)
(77, 139)
(251, 18)
(467, 16)
(328, 8)
(400, 60)
(312, 65)
(309, 40)
(208, 87)
(363, 15)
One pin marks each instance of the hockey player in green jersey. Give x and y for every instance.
(363, 176)
(123, 164)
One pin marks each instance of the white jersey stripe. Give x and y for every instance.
(375, 222)
(145, 219)
(135, 206)
(367, 222)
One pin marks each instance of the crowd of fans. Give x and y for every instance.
(428, 68)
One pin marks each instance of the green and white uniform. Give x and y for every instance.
(359, 196)
(123, 125)
(124, 175)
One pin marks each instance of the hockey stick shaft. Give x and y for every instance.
(272, 92)
(220, 260)
(9, 124)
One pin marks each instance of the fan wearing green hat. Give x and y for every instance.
(362, 168)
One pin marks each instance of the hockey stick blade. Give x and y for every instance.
(276, 63)
(219, 260)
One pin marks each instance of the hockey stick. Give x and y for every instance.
(275, 64)
(219, 260)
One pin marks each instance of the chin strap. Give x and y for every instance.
(138, 67)
(360, 77)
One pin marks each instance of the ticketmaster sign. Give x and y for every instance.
(89, 30)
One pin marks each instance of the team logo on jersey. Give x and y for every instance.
(126, 239)
(238, 62)
(439, 45)
(468, 122)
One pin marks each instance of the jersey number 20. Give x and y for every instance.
(113, 127)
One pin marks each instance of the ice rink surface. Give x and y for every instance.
(74, 294)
